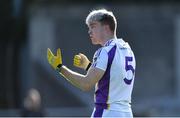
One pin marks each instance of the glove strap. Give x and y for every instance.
(89, 65)
(59, 67)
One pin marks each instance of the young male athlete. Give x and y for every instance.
(112, 70)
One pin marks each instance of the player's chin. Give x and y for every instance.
(94, 43)
(92, 40)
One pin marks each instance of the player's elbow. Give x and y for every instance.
(86, 87)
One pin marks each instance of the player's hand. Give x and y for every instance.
(81, 61)
(54, 60)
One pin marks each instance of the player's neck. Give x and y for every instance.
(108, 38)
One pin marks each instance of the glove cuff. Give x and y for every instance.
(89, 65)
(59, 67)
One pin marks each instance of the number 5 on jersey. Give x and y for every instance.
(129, 70)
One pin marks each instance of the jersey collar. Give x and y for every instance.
(109, 42)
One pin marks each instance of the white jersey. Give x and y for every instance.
(114, 89)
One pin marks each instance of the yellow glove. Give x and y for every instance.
(54, 61)
(81, 61)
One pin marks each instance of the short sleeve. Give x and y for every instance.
(100, 59)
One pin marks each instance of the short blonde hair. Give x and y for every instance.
(104, 17)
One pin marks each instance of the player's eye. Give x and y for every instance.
(92, 26)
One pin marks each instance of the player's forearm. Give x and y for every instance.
(75, 78)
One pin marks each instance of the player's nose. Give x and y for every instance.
(90, 32)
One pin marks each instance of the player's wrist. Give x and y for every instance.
(59, 67)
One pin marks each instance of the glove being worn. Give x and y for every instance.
(81, 61)
(55, 61)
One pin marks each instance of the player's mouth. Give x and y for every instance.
(91, 37)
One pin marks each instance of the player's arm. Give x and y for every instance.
(84, 82)
(94, 73)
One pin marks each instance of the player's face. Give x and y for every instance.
(96, 32)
